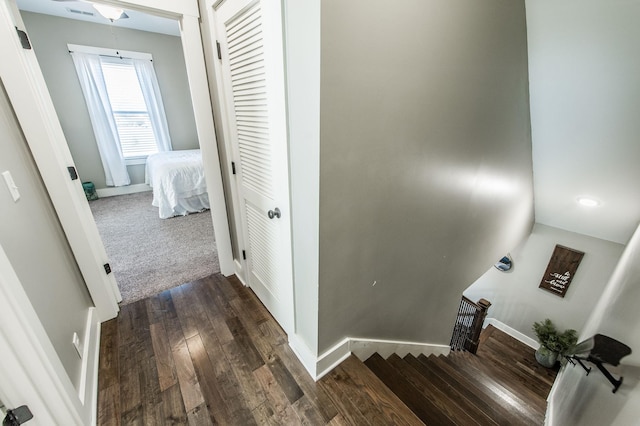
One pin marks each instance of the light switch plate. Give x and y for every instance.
(13, 189)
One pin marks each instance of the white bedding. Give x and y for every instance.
(177, 179)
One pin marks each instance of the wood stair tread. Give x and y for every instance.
(422, 407)
(502, 385)
(363, 398)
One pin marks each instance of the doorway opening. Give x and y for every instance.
(147, 254)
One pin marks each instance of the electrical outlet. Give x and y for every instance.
(77, 344)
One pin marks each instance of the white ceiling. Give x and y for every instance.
(136, 20)
(585, 100)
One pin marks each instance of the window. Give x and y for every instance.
(129, 108)
(125, 107)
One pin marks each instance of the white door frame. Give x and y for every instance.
(31, 372)
(34, 109)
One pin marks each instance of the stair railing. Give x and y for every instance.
(468, 326)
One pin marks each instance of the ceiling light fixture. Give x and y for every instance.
(109, 12)
(588, 202)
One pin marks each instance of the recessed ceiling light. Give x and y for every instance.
(588, 202)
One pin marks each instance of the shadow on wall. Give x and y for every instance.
(588, 400)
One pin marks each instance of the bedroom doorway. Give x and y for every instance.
(204, 130)
(146, 255)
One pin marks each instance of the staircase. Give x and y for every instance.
(502, 384)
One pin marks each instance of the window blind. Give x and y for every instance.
(129, 109)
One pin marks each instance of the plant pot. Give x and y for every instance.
(546, 357)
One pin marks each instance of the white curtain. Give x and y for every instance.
(89, 73)
(152, 97)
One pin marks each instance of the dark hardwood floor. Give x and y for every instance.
(208, 352)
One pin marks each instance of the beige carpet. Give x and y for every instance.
(149, 255)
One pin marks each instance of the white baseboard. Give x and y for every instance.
(331, 358)
(512, 332)
(364, 348)
(304, 354)
(122, 190)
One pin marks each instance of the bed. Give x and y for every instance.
(177, 179)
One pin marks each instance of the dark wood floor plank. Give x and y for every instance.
(276, 397)
(173, 407)
(155, 309)
(204, 291)
(152, 410)
(228, 385)
(167, 375)
(185, 310)
(189, 386)
(264, 415)
(331, 383)
(284, 378)
(307, 413)
(199, 416)
(316, 394)
(109, 346)
(109, 406)
(133, 417)
(249, 388)
(251, 355)
(209, 386)
(172, 325)
(129, 378)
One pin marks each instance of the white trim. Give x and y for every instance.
(31, 371)
(135, 161)
(203, 114)
(511, 332)
(362, 348)
(304, 354)
(332, 358)
(122, 190)
(36, 114)
(109, 52)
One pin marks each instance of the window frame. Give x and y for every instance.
(122, 54)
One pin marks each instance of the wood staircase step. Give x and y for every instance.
(438, 395)
(362, 398)
(459, 390)
(504, 374)
(522, 401)
(476, 392)
(424, 408)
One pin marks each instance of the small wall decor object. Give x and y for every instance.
(562, 267)
(504, 264)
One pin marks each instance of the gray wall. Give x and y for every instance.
(587, 400)
(37, 247)
(518, 302)
(50, 36)
(425, 160)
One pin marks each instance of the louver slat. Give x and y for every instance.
(246, 62)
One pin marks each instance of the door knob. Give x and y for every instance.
(274, 213)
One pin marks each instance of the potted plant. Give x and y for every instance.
(553, 343)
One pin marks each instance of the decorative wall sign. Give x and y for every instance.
(561, 269)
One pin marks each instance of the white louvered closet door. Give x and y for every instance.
(250, 37)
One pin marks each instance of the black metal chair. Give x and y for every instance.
(599, 350)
